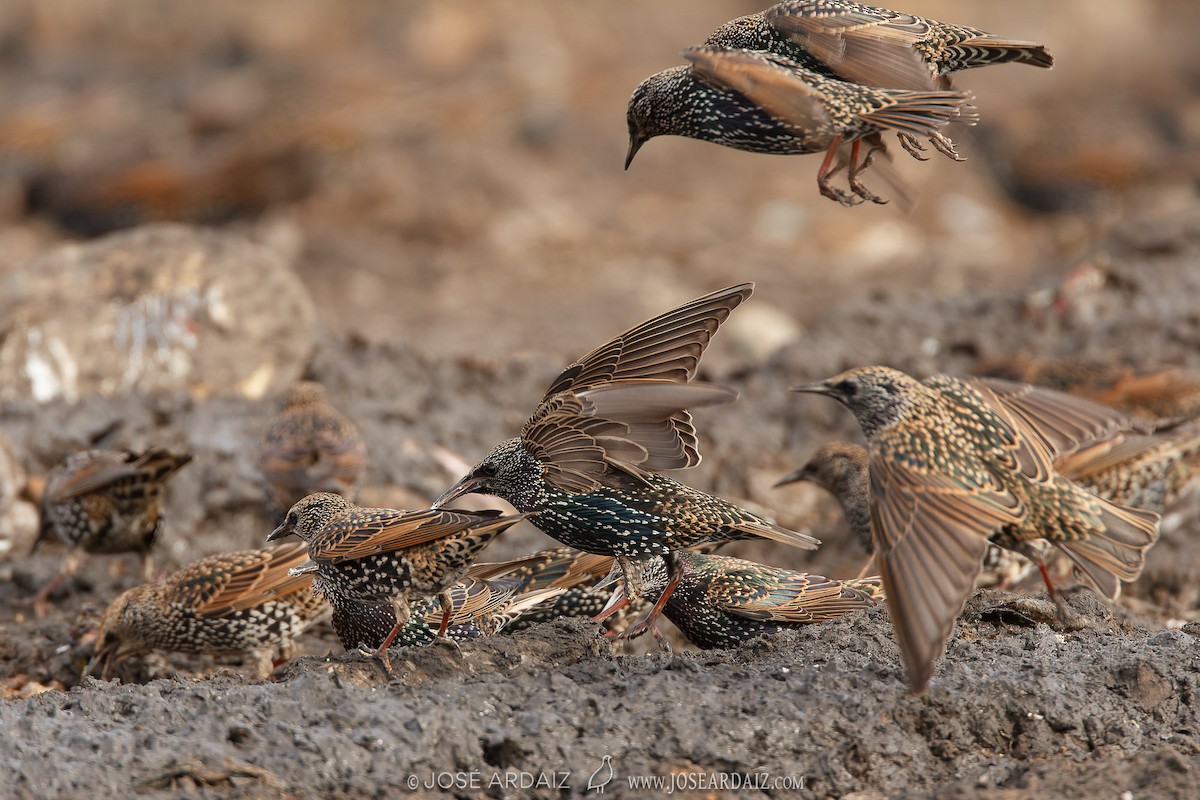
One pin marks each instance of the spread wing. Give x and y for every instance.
(1063, 422)
(871, 46)
(93, 470)
(667, 347)
(930, 535)
(625, 427)
(220, 585)
(384, 530)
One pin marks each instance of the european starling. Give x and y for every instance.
(955, 464)
(383, 556)
(478, 608)
(243, 602)
(582, 461)
(308, 448)
(106, 501)
(880, 47)
(767, 103)
(724, 602)
(841, 469)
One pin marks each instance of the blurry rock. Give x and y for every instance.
(18, 517)
(164, 308)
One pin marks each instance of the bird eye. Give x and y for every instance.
(847, 388)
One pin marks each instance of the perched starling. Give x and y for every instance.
(478, 608)
(955, 464)
(243, 602)
(383, 556)
(106, 501)
(880, 47)
(582, 461)
(309, 448)
(767, 103)
(724, 602)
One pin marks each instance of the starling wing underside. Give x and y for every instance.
(930, 539)
(1064, 422)
(667, 347)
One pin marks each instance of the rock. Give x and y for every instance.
(167, 308)
(18, 517)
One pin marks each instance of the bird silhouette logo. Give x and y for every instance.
(602, 776)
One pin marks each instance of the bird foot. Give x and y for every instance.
(945, 146)
(379, 653)
(838, 196)
(912, 146)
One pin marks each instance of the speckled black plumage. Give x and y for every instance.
(725, 602)
(582, 463)
(240, 602)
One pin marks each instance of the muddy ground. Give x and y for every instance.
(445, 187)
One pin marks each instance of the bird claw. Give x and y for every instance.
(912, 146)
(945, 146)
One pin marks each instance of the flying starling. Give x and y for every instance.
(382, 556)
(764, 102)
(955, 464)
(582, 462)
(105, 501)
(478, 608)
(880, 47)
(724, 602)
(841, 469)
(243, 602)
(308, 448)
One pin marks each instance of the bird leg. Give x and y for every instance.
(1065, 616)
(447, 603)
(148, 567)
(912, 146)
(400, 606)
(69, 567)
(857, 169)
(675, 574)
(827, 170)
(866, 569)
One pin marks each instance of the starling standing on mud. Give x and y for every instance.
(382, 556)
(309, 448)
(767, 103)
(724, 602)
(478, 608)
(106, 501)
(955, 464)
(244, 602)
(582, 462)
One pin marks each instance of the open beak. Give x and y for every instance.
(280, 532)
(634, 146)
(820, 387)
(467, 485)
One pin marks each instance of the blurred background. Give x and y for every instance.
(449, 174)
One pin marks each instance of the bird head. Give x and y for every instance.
(507, 472)
(878, 396)
(655, 107)
(304, 393)
(310, 515)
(833, 466)
(118, 636)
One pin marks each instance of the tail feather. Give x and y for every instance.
(982, 51)
(778, 533)
(1118, 553)
(923, 113)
